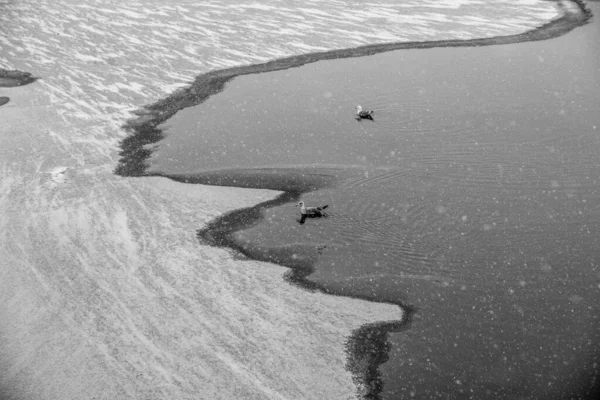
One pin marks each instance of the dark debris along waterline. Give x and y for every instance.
(368, 347)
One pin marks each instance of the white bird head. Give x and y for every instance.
(358, 109)
(301, 204)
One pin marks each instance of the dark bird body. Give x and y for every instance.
(363, 114)
(310, 212)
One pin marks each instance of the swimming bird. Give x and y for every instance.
(366, 114)
(311, 212)
(315, 211)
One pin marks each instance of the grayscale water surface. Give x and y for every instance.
(474, 196)
(105, 292)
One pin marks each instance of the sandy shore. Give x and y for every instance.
(105, 291)
(147, 129)
(107, 294)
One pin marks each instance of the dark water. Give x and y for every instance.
(474, 196)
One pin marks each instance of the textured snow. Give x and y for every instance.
(104, 289)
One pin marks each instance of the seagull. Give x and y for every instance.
(367, 114)
(312, 212)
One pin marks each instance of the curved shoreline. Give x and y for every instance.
(144, 130)
(367, 347)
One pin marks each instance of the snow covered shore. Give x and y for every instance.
(104, 289)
